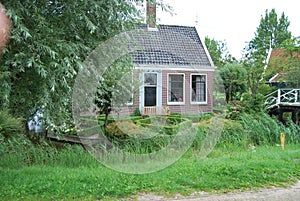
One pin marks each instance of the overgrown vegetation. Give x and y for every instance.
(43, 172)
(9, 125)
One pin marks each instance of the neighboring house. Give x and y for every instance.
(279, 63)
(175, 70)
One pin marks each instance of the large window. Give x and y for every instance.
(198, 92)
(176, 88)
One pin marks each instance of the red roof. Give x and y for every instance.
(280, 62)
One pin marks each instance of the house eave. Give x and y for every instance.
(174, 67)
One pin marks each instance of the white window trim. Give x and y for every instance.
(154, 86)
(168, 87)
(191, 90)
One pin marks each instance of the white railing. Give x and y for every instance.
(283, 97)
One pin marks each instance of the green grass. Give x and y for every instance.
(73, 174)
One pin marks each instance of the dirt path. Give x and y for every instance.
(270, 194)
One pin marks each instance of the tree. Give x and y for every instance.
(115, 87)
(49, 41)
(218, 52)
(271, 33)
(234, 76)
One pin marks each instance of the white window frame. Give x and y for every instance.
(146, 85)
(168, 88)
(191, 89)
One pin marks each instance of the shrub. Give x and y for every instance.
(233, 133)
(9, 125)
(122, 129)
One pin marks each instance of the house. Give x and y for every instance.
(279, 63)
(175, 69)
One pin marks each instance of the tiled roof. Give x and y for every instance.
(170, 45)
(280, 62)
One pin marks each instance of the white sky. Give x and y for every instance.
(234, 21)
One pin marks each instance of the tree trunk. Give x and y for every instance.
(106, 120)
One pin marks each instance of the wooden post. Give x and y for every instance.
(278, 98)
(282, 140)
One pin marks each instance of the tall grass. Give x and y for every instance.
(249, 130)
(19, 151)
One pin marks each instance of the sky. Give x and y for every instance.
(232, 21)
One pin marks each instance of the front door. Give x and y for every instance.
(150, 96)
(150, 89)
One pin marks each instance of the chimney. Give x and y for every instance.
(151, 13)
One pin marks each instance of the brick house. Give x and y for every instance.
(174, 69)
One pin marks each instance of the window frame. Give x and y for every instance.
(191, 89)
(168, 88)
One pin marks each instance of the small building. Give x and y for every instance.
(280, 63)
(175, 69)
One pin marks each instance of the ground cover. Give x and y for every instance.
(73, 174)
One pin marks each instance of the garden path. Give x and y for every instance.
(291, 193)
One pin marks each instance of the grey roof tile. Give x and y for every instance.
(170, 45)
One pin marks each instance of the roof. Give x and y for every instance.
(281, 60)
(171, 45)
(278, 77)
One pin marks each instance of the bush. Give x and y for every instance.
(123, 129)
(9, 125)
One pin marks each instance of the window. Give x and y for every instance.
(150, 79)
(176, 88)
(198, 92)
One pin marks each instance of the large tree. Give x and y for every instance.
(272, 32)
(234, 81)
(218, 52)
(49, 41)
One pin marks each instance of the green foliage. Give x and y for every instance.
(248, 104)
(271, 33)
(9, 125)
(19, 152)
(218, 52)
(123, 129)
(137, 112)
(73, 174)
(234, 81)
(265, 89)
(234, 109)
(49, 41)
(250, 129)
(115, 87)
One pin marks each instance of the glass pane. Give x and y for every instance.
(150, 79)
(198, 88)
(175, 88)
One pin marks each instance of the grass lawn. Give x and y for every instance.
(75, 175)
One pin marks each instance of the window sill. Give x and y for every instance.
(199, 103)
(176, 103)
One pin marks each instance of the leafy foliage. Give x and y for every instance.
(218, 52)
(9, 126)
(271, 33)
(233, 76)
(116, 87)
(49, 41)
